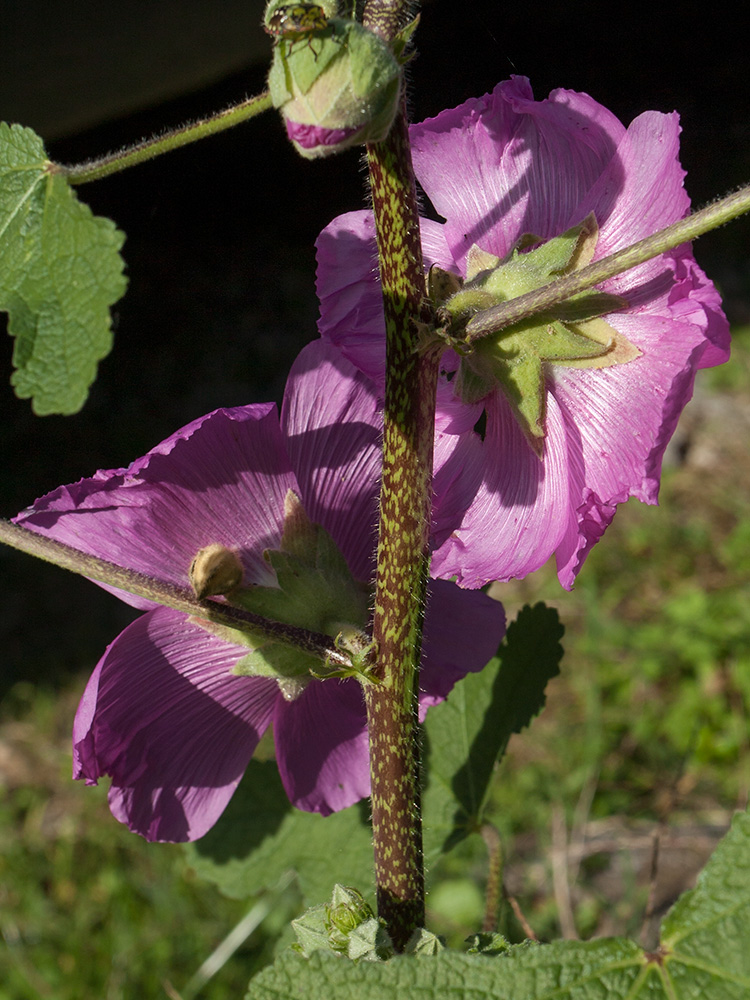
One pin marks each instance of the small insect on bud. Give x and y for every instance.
(215, 570)
(296, 21)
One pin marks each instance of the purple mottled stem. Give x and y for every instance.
(403, 551)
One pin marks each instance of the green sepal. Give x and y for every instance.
(489, 943)
(373, 67)
(319, 595)
(370, 942)
(345, 926)
(401, 41)
(568, 252)
(311, 932)
(424, 943)
(346, 911)
(279, 662)
(315, 588)
(316, 591)
(572, 334)
(343, 78)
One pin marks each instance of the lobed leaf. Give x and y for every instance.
(467, 734)
(60, 271)
(260, 836)
(703, 954)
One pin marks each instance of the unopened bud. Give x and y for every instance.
(336, 83)
(215, 570)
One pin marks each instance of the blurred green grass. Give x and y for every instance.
(87, 909)
(646, 730)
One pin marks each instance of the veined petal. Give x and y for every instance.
(333, 425)
(497, 168)
(621, 458)
(695, 300)
(492, 167)
(164, 716)
(222, 479)
(642, 189)
(521, 510)
(321, 746)
(459, 467)
(462, 632)
(649, 393)
(348, 286)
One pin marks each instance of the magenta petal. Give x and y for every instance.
(312, 136)
(496, 168)
(459, 467)
(652, 390)
(616, 462)
(462, 632)
(333, 425)
(351, 302)
(695, 300)
(220, 479)
(521, 510)
(642, 190)
(166, 719)
(492, 167)
(321, 746)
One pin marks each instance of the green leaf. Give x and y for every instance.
(705, 934)
(60, 270)
(469, 732)
(703, 956)
(261, 836)
(454, 975)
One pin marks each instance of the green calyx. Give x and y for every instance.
(345, 926)
(517, 359)
(316, 591)
(341, 78)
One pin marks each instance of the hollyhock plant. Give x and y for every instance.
(176, 706)
(507, 173)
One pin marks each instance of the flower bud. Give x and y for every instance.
(336, 83)
(215, 570)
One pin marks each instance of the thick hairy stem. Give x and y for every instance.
(384, 17)
(403, 550)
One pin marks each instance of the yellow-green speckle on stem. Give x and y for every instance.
(403, 550)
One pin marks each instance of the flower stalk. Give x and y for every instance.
(515, 310)
(149, 149)
(167, 594)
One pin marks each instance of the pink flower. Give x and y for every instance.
(163, 713)
(497, 168)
